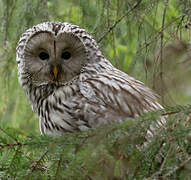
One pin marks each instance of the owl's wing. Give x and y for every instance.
(119, 92)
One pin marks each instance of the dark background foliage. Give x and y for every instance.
(149, 40)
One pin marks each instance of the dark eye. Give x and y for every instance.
(66, 55)
(44, 56)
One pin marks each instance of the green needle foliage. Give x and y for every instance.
(115, 151)
(148, 40)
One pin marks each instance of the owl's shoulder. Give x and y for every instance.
(119, 91)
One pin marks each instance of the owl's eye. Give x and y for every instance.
(66, 55)
(44, 56)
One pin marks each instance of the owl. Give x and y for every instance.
(71, 85)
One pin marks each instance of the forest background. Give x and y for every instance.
(149, 40)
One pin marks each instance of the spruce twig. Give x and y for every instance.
(177, 168)
(35, 164)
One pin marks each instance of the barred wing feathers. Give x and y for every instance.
(119, 96)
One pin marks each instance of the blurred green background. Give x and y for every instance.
(150, 42)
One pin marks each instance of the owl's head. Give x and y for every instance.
(54, 52)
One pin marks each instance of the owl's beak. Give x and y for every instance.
(55, 72)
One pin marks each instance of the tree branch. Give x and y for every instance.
(118, 21)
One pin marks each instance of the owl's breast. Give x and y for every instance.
(67, 110)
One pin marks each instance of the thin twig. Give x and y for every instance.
(161, 51)
(12, 160)
(8, 134)
(8, 17)
(170, 113)
(58, 166)
(118, 21)
(35, 165)
(177, 168)
(153, 38)
(11, 145)
(162, 166)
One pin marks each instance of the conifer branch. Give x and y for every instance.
(177, 168)
(119, 20)
(35, 166)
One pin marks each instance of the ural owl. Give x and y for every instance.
(71, 85)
